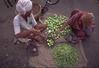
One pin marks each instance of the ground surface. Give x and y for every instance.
(16, 56)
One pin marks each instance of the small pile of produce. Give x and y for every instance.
(65, 55)
(50, 42)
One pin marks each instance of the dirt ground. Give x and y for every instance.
(15, 56)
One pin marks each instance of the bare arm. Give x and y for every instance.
(28, 33)
(23, 34)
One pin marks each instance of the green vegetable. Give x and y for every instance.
(65, 55)
(50, 42)
(66, 31)
(54, 24)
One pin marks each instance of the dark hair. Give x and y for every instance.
(74, 12)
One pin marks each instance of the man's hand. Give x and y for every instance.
(40, 27)
(36, 32)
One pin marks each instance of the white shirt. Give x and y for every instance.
(20, 23)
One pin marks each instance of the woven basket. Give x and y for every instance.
(36, 10)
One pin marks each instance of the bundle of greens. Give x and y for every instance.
(65, 55)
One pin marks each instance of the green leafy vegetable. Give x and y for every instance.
(50, 42)
(65, 55)
(54, 24)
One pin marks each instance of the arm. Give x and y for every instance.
(70, 21)
(25, 33)
(17, 30)
(33, 19)
(28, 33)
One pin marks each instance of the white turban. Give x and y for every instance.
(23, 6)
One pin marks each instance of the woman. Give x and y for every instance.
(25, 25)
(81, 23)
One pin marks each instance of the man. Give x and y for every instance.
(25, 25)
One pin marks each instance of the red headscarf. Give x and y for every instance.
(77, 21)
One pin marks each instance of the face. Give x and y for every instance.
(27, 14)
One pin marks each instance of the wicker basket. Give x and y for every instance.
(36, 10)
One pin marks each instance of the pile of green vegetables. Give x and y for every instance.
(54, 23)
(50, 42)
(65, 55)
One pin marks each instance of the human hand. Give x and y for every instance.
(36, 32)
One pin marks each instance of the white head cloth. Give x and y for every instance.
(23, 6)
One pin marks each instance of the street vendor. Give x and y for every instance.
(81, 23)
(25, 26)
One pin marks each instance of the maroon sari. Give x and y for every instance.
(76, 24)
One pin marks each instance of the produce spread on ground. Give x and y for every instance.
(54, 23)
(64, 54)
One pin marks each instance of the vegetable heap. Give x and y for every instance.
(50, 42)
(65, 55)
(54, 23)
